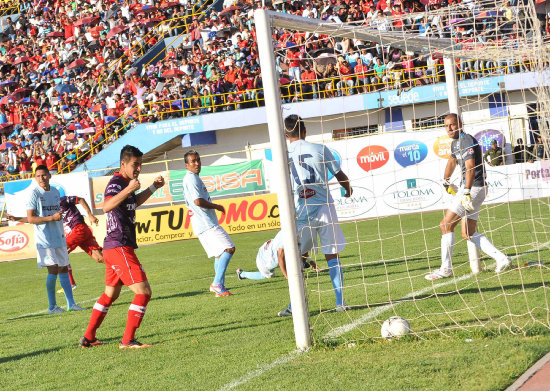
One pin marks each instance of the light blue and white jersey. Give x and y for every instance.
(202, 219)
(309, 166)
(46, 203)
(268, 255)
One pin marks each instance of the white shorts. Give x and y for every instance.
(215, 241)
(52, 256)
(325, 224)
(267, 273)
(478, 195)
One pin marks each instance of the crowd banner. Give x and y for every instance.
(17, 192)
(17, 243)
(170, 223)
(230, 179)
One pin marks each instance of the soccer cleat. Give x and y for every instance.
(342, 307)
(73, 287)
(86, 343)
(133, 344)
(441, 273)
(56, 310)
(76, 307)
(501, 266)
(219, 290)
(285, 312)
(238, 271)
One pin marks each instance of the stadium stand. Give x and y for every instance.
(74, 76)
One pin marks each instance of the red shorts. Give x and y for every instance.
(122, 265)
(81, 236)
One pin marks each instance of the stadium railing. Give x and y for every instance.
(138, 49)
(290, 92)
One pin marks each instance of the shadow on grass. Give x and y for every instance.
(180, 294)
(31, 354)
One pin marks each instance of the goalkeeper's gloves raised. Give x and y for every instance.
(449, 187)
(467, 201)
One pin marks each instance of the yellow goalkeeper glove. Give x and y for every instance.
(449, 187)
(467, 201)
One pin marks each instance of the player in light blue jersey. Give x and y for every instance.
(215, 241)
(310, 165)
(44, 211)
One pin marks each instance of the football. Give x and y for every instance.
(395, 327)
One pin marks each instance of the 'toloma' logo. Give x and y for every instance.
(410, 152)
(413, 194)
(361, 201)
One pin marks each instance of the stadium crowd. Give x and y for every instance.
(64, 90)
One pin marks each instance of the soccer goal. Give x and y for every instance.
(376, 93)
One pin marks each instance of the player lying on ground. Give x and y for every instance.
(44, 212)
(270, 256)
(122, 267)
(466, 152)
(213, 238)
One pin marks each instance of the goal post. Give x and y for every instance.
(391, 224)
(287, 212)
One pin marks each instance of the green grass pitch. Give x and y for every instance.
(471, 333)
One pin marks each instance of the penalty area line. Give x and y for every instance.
(339, 331)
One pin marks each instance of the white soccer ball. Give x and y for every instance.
(395, 327)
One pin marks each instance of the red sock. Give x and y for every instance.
(98, 314)
(71, 276)
(135, 316)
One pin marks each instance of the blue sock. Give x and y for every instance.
(222, 263)
(253, 275)
(50, 288)
(337, 278)
(67, 288)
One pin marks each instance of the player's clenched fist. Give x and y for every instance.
(57, 216)
(134, 185)
(159, 182)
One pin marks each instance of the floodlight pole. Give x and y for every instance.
(287, 212)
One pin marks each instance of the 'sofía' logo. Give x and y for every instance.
(413, 194)
(372, 157)
(13, 240)
(306, 193)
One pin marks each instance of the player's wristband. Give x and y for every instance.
(466, 191)
(152, 189)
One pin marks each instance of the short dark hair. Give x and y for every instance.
(128, 152)
(294, 126)
(189, 153)
(454, 115)
(41, 167)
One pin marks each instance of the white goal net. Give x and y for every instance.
(376, 92)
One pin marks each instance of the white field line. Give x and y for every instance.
(339, 331)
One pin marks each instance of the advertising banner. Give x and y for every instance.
(17, 243)
(17, 192)
(396, 173)
(169, 223)
(239, 178)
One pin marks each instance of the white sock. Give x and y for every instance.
(474, 256)
(447, 243)
(487, 247)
